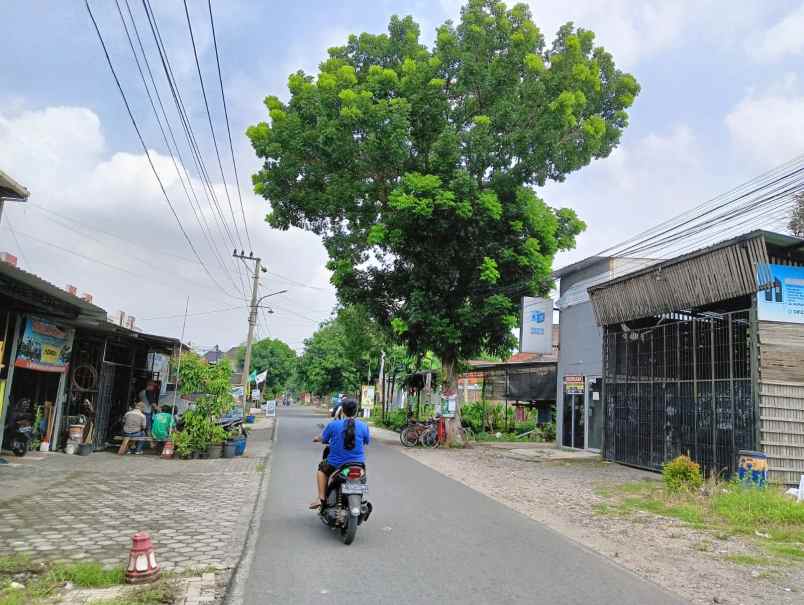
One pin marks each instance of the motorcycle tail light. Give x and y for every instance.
(355, 472)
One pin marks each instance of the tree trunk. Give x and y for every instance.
(450, 388)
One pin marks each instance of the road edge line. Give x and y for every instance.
(233, 594)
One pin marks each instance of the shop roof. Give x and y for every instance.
(11, 189)
(729, 269)
(579, 266)
(51, 291)
(106, 327)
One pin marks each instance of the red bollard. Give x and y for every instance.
(142, 567)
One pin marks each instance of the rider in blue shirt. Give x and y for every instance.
(346, 438)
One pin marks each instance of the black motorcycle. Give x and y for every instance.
(346, 505)
(17, 437)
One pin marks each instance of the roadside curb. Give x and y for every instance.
(233, 594)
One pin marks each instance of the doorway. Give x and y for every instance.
(594, 413)
(573, 430)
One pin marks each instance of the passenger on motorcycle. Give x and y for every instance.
(346, 438)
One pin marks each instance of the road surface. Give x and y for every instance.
(429, 540)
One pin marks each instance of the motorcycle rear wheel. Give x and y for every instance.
(19, 449)
(348, 533)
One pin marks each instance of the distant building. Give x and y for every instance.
(214, 355)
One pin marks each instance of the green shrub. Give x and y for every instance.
(682, 474)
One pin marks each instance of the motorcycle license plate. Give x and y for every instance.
(353, 487)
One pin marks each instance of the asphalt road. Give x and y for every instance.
(429, 540)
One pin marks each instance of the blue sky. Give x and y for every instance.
(722, 100)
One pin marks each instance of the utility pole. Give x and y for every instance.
(252, 320)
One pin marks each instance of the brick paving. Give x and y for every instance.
(65, 508)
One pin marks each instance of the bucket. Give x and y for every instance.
(85, 449)
(44, 446)
(250, 419)
(76, 432)
(752, 467)
(240, 446)
(71, 447)
(229, 449)
(214, 451)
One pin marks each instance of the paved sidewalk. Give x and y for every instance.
(87, 508)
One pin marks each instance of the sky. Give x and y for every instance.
(722, 101)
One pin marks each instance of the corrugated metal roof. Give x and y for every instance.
(11, 189)
(728, 269)
(37, 283)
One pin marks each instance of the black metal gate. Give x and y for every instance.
(682, 386)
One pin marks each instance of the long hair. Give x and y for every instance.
(349, 409)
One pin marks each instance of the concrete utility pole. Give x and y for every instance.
(252, 321)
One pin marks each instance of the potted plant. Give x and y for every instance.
(182, 445)
(217, 439)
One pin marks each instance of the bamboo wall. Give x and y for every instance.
(781, 390)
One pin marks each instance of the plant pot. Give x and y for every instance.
(195, 455)
(85, 449)
(250, 419)
(203, 455)
(71, 447)
(229, 449)
(215, 450)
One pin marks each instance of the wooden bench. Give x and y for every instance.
(126, 441)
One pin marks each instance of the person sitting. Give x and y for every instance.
(346, 438)
(134, 425)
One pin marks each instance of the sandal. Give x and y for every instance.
(318, 504)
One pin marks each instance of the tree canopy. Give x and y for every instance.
(276, 357)
(796, 224)
(416, 167)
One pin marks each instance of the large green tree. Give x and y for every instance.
(276, 357)
(324, 367)
(416, 168)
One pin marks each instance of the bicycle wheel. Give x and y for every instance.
(430, 438)
(409, 436)
(468, 434)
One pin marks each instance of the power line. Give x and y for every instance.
(228, 129)
(204, 231)
(188, 129)
(147, 152)
(14, 235)
(194, 314)
(209, 119)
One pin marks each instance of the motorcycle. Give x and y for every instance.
(17, 437)
(346, 505)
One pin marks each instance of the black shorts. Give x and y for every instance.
(326, 468)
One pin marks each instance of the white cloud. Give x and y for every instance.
(765, 125)
(60, 154)
(644, 182)
(783, 38)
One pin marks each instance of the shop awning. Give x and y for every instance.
(32, 290)
(727, 270)
(11, 190)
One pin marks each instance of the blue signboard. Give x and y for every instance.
(784, 300)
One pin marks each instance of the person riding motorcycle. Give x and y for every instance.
(346, 438)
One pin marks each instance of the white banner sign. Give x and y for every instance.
(536, 334)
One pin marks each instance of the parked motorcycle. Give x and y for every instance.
(17, 437)
(346, 505)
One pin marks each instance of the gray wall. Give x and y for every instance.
(581, 351)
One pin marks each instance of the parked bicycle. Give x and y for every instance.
(420, 433)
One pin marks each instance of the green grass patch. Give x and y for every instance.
(766, 516)
(749, 560)
(787, 551)
(87, 575)
(44, 581)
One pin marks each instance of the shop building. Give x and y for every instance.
(61, 358)
(703, 355)
(579, 415)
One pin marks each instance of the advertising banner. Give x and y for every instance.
(574, 384)
(367, 397)
(270, 407)
(536, 333)
(784, 300)
(45, 346)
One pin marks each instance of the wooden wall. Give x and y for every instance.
(781, 390)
